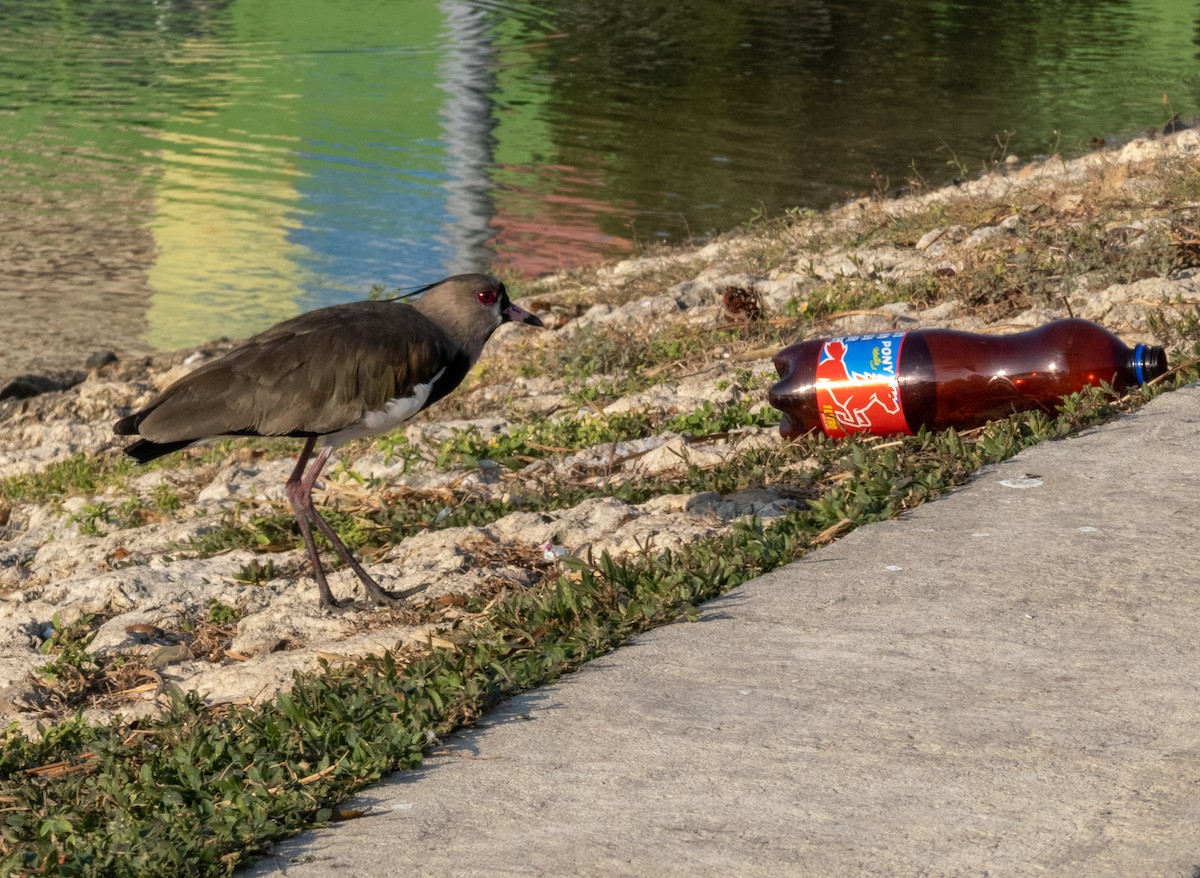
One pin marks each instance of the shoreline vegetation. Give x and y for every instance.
(174, 699)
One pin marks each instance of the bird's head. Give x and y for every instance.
(470, 307)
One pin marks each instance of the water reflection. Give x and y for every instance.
(181, 170)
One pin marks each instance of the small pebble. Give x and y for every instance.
(99, 359)
(144, 631)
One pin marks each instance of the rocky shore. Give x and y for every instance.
(653, 369)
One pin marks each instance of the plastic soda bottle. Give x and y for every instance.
(897, 382)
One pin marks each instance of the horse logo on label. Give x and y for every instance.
(858, 386)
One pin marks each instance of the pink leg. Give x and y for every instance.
(299, 491)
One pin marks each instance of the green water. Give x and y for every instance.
(178, 171)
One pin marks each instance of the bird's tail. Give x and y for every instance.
(128, 426)
(144, 451)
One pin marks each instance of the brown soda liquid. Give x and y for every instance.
(940, 378)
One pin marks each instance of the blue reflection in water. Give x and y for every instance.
(365, 227)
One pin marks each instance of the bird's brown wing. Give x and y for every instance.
(311, 375)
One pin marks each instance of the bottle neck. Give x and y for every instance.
(1147, 363)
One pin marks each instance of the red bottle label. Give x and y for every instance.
(858, 385)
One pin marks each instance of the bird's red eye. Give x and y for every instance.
(486, 297)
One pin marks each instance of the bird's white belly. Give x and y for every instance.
(394, 413)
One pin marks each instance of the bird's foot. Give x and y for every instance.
(336, 607)
(380, 597)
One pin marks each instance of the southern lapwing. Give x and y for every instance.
(329, 376)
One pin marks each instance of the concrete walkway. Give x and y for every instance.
(1005, 682)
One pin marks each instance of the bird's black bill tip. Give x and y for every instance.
(516, 314)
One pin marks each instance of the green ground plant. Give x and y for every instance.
(67, 646)
(79, 474)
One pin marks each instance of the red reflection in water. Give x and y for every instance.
(544, 223)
